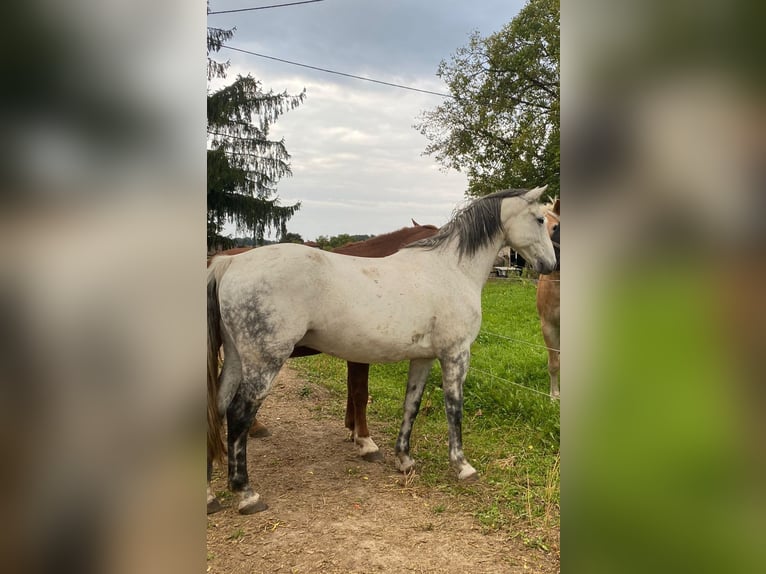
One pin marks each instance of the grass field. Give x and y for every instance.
(510, 433)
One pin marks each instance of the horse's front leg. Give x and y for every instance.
(239, 417)
(358, 381)
(454, 370)
(551, 336)
(416, 383)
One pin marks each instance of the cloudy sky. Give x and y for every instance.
(357, 161)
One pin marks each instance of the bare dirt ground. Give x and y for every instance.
(331, 512)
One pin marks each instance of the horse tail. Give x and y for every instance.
(216, 449)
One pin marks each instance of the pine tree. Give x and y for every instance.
(243, 165)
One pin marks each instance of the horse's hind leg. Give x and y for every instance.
(239, 417)
(350, 418)
(358, 380)
(230, 380)
(419, 369)
(454, 370)
(212, 502)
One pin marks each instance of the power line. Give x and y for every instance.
(263, 7)
(337, 73)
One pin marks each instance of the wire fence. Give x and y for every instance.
(485, 373)
(483, 332)
(515, 340)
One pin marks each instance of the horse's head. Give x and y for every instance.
(524, 225)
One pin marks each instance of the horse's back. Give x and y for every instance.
(360, 309)
(284, 267)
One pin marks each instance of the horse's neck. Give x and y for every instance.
(478, 266)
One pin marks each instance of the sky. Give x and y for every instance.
(357, 161)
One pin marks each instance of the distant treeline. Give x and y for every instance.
(323, 241)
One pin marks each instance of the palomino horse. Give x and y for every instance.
(548, 300)
(422, 303)
(358, 373)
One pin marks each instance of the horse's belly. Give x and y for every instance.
(376, 345)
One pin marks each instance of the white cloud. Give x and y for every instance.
(357, 161)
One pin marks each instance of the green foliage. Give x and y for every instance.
(243, 165)
(291, 238)
(511, 434)
(501, 127)
(215, 39)
(330, 243)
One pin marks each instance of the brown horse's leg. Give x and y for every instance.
(358, 378)
(358, 395)
(350, 390)
(551, 336)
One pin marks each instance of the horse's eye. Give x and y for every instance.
(540, 220)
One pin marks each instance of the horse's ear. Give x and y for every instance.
(415, 223)
(534, 194)
(556, 207)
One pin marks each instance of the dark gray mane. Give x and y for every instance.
(475, 225)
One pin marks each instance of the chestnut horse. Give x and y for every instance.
(358, 373)
(548, 300)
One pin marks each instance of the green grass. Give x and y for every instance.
(510, 434)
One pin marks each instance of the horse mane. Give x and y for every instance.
(474, 225)
(386, 243)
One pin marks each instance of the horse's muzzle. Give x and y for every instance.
(545, 267)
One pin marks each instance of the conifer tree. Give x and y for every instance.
(243, 165)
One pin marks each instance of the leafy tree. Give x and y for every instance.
(291, 238)
(243, 165)
(329, 243)
(501, 127)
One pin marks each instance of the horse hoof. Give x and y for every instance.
(214, 506)
(252, 508)
(260, 432)
(373, 456)
(468, 475)
(405, 466)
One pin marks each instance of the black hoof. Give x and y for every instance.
(214, 506)
(259, 506)
(374, 456)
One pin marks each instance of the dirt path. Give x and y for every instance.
(331, 512)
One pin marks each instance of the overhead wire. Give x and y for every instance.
(328, 71)
(263, 7)
(390, 84)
